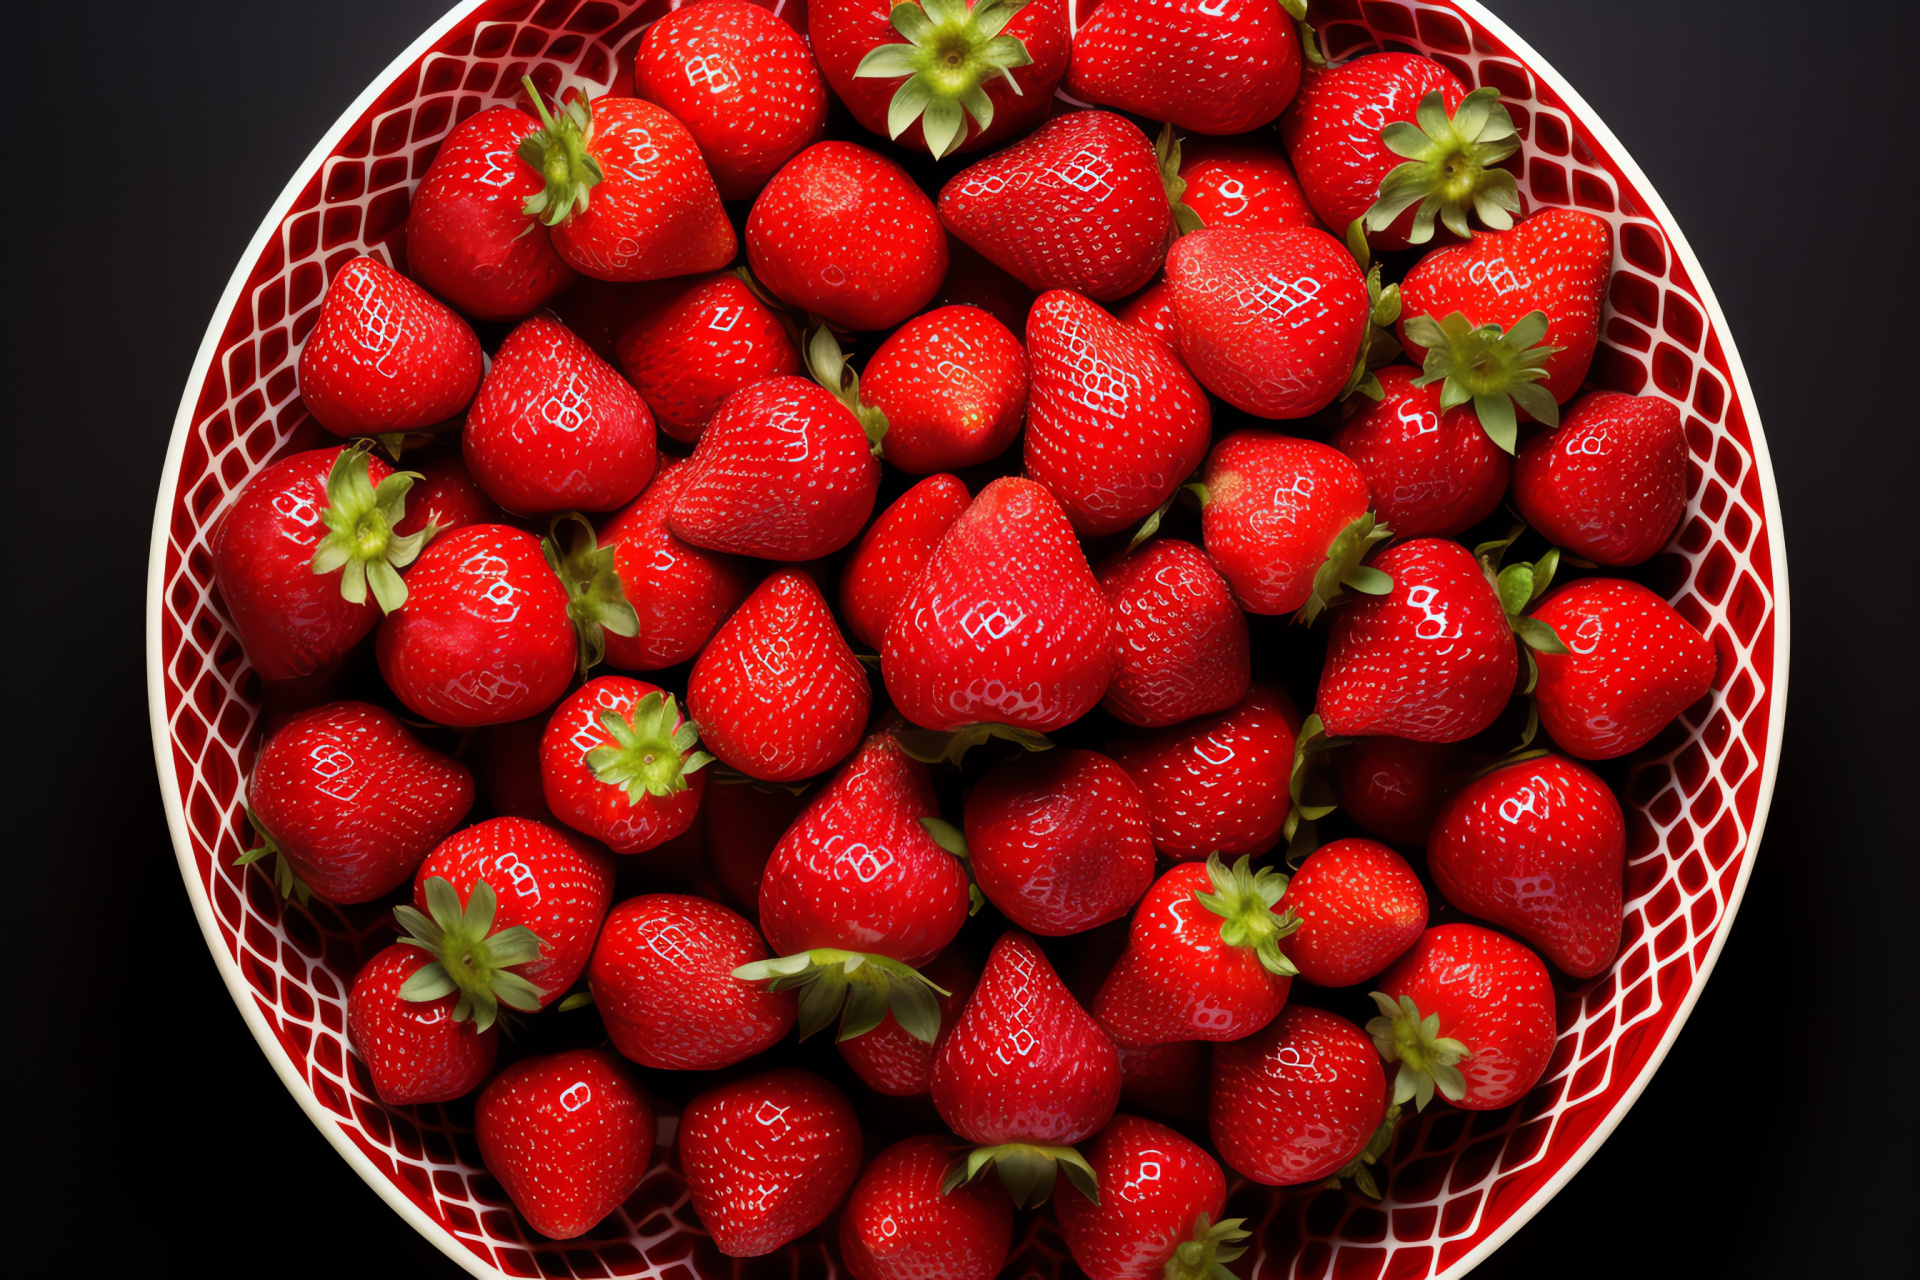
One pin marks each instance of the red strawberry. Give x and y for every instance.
(710, 338)
(1392, 786)
(1633, 664)
(1060, 843)
(1242, 182)
(783, 472)
(1168, 1079)
(1180, 641)
(741, 831)
(1160, 1201)
(891, 1060)
(778, 694)
(1116, 423)
(618, 761)
(1467, 1012)
(1297, 1102)
(1538, 847)
(893, 551)
(446, 497)
(1152, 311)
(845, 235)
(1218, 785)
(1359, 905)
(662, 979)
(1007, 624)
(680, 593)
(741, 80)
(767, 1158)
(1610, 484)
(385, 355)
(349, 804)
(951, 386)
(1432, 471)
(1286, 522)
(899, 1226)
(1079, 204)
(417, 1052)
(568, 1136)
(1213, 68)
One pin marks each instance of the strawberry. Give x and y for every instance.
(618, 762)
(1297, 1102)
(708, 339)
(1633, 664)
(1060, 843)
(741, 830)
(1217, 785)
(1116, 423)
(680, 593)
(1610, 483)
(956, 77)
(1432, 471)
(446, 497)
(893, 551)
(1392, 786)
(891, 1060)
(899, 1226)
(1168, 1079)
(844, 234)
(1243, 182)
(741, 80)
(1161, 1197)
(1179, 640)
(1286, 522)
(469, 236)
(568, 1137)
(349, 804)
(1006, 625)
(1538, 847)
(385, 355)
(767, 1158)
(1151, 311)
(662, 978)
(778, 694)
(1359, 905)
(417, 1052)
(1225, 68)
(1467, 1012)
(1081, 203)
(783, 472)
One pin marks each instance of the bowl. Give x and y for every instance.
(1460, 1182)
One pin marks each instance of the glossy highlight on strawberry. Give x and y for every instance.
(385, 355)
(1227, 67)
(1180, 640)
(1297, 1102)
(892, 552)
(900, 1225)
(1633, 664)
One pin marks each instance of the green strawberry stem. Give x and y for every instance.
(1378, 347)
(360, 540)
(1311, 795)
(648, 756)
(468, 956)
(1492, 369)
(285, 879)
(831, 370)
(559, 151)
(1205, 1255)
(1359, 1169)
(1027, 1170)
(952, 51)
(1427, 1060)
(1167, 151)
(862, 989)
(954, 841)
(1450, 167)
(1342, 570)
(930, 746)
(596, 599)
(1520, 587)
(1244, 900)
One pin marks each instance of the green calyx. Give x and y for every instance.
(1206, 1254)
(285, 879)
(1450, 167)
(831, 370)
(648, 756)
(952, 51)
(862, 989)
(1360, 1169)
(1026, 1170)
(930, 746)
(1494, 370)
(1427, 1060)
(1342, 570)
(596, 599)
(559, 151)
(1310, 50)
(954, 841)
(468, 956)
(1244, 900)
(1520, 587)
(1378, 347)
(1310, 793)
(1166, 149)
(360, 539)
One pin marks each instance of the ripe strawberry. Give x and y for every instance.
(385, 355)
(1006, 625)
(1432, 471)
(1610, 484)
(741, 831)
(1243, 182)
(568, 1137)
(1633, 664)
(893, 551)
(1360, 906)
(1152, 312)
(891, 1060)
(898, 1225)
(1467, 1012)
(741, 80)
(778, 695)
(950, 387)
(1168, 1079)
(845, 235)
(1228, 68)
(1116, 423)
(1297, 1102)
(618, 761)
(1060, 843)
(416, 1051)
(706, 340)
(1161, 1196)
(1393, 787)
(1286, 522)
(446, 497)
(662, 979)
(1179, 640)
(680, 593)
(767, 1158)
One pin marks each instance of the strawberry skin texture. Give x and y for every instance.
(1635, 665)
(1025, 1063)
(844, 234)
(707, 341)
(1151, 311)
(1060, 843)
(1360, 907)
(1274, 506)
(1115, 423)
(599, 809)
(1433, 472)
(1153, 1183)
(741, 80)
(568, 1136)
(385, 355)
(898, 1225)
(445, 496)
(777, 694)
(768, 1158)
(662, 979)
(353, 801)
(1078, 204)
(893, 551)
(1224, 69)
(468, 236)
(414, 1050)
(680, 593)
(1434, 660)
(1217, 785)
(891, 1062)
(953, 384)
(1243, 182)
(1179, 640)
(1610, 483)
(1006, 625)
(1393, 787)
(1297, 1102)
(484, 637)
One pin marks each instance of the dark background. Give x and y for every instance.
(149, 1132)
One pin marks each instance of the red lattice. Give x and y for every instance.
(1460, 1182)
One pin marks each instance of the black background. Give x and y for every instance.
(149, 1132)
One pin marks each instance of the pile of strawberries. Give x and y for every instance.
(902, 676)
